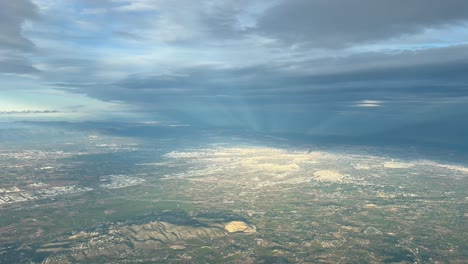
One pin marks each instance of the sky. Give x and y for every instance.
(319, 67)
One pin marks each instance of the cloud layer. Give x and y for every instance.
(13, 43)
(336, 23)
(312, 66)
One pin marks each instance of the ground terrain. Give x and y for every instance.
(112, 199)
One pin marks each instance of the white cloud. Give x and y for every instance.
(368, 103)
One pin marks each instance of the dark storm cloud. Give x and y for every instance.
(12, 15)
(13, 44)
(337, 23)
